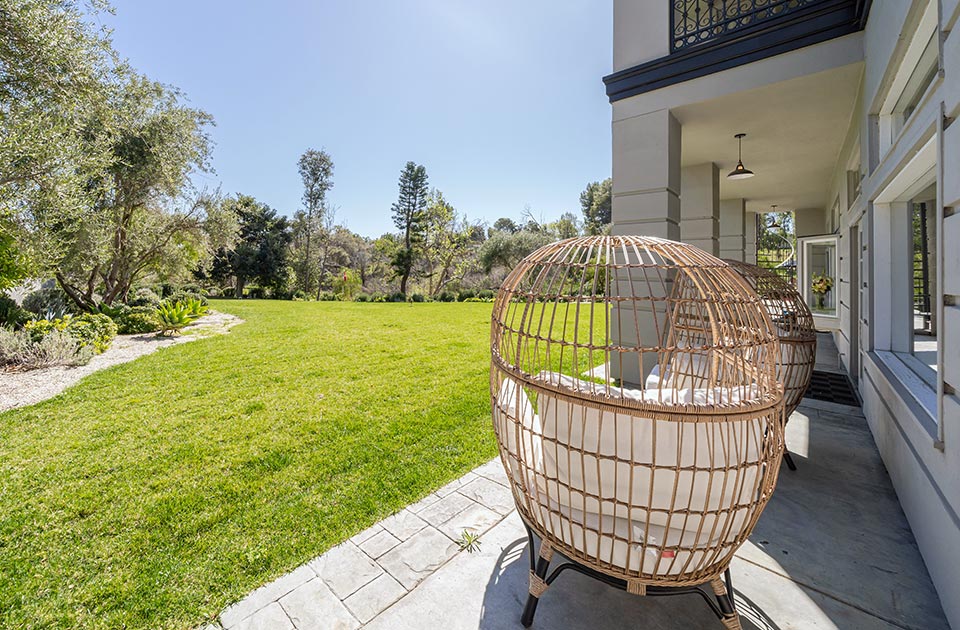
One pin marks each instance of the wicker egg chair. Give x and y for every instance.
(793, 323)
(637, 413)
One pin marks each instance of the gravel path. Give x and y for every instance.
(20, 389)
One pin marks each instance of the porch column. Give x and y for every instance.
(646, 201)
(700, 207)
(750, 238)
(646, 175)
(733, 239)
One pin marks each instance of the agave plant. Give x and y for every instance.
(196, 307)
(174, 316)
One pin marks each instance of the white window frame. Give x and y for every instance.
(893, 285)
(821, 320)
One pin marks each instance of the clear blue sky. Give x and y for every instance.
(501, 100)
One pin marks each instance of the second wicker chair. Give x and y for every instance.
(795, 329)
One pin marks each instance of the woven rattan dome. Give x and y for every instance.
(636, 407)
(794, 326)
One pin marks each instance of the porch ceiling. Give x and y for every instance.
(795, 131)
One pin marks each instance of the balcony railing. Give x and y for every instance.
(698, 21)
(708, 36)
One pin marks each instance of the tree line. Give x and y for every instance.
(435, 249)
(98, 165)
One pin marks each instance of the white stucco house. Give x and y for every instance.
(849, 109)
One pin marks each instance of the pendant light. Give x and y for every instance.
(775, 224)
(740, 172)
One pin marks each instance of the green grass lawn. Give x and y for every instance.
(155, 493)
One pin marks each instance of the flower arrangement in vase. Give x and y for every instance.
(820, 284)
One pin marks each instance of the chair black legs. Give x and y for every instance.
(538, 574)
(789, 460)
(720, 602)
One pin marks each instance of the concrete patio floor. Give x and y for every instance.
(832, 551)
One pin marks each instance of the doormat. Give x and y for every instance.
(832, 387)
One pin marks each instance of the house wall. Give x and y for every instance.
(916, 424)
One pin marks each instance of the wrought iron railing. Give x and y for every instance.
(698, 21)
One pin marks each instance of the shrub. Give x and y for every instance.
(379, 297)
(174, 316)
(138, 320)
(113, 311)
(90, 330)
(326, 296)
(50, 302)
(11, 314)
(398, 297)
(300, 295)
(475, 299)
(447, 296)
(40, 328)
(145, 297)
(362, 297)
(417, 297)
(466, 294)
(14, 346)
(56, 348)
(95, 330)
(486, 294)
(184, 296)
(347, 283)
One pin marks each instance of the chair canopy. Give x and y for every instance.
(794, 325)
(636, 405)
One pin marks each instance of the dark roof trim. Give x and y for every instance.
(812, 25)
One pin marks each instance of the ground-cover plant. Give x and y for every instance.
(153, 494)
(19, 349)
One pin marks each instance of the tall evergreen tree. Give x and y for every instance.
(316, 170)
(409, 215)
(261, 250)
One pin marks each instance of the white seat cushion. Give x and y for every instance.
(666, 483)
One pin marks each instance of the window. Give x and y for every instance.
(818, 274)
(920, 79)
(910, 83)
(854, 176)
(923, 263)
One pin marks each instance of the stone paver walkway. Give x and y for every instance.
(832, 551)
(352, 583)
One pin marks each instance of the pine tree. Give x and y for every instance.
(316, 171)
(409, 215)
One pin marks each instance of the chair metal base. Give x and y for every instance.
(789, 460)
(721, 603)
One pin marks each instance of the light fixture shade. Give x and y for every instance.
(741, 172)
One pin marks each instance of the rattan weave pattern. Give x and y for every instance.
(794, 325)
(636, 405)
